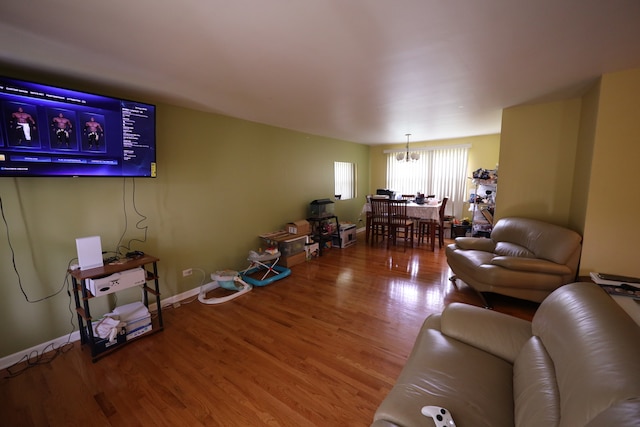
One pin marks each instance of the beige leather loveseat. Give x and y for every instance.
(576, 364)
(524, 258)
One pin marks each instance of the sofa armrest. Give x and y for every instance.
(432, 322)
(536, 265)
(476, 243)
(496, 333)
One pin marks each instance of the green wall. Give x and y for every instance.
(221, 182)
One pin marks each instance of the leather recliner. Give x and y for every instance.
(575, 364)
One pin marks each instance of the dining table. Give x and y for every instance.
(429, 211)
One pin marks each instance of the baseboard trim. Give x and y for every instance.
(55, 343)
(37, 350)
(176, 298)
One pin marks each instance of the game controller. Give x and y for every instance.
(441, 417)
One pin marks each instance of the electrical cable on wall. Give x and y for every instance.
(143, 218)
(34, 358)
(15, 267)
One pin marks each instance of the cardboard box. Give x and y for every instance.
(103, 344)
(291, 260)
(312, 250)
(299, 227)
(135, 333)
(134, 325)
(347, 236)
(274, 236)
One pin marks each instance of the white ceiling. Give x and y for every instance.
(368, 71)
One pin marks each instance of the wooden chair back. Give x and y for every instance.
(442, 208)
(379, 209)
(399, 223)
(398, 212)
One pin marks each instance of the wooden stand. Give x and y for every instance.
(82, 297)
(321, 236)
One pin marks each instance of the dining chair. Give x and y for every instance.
(411, 198)
(424, 227)
(378, 220)
(399, 223)
(367, 227)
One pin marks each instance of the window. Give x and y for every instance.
(345, 180)
(440, 171)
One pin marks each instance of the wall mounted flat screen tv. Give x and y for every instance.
(51, 131)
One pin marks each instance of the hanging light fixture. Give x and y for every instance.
(408, 156)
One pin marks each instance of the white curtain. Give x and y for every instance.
(440, 171)
(345, 179)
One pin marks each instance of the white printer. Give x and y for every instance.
(116, 281)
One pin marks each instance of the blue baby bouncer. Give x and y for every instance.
(264, 261)
(241, 282)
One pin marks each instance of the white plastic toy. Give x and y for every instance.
(441, 417)
(229, 280)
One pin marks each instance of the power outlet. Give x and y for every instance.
(187, 272)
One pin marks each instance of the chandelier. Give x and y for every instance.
(408, 156)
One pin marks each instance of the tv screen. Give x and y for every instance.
(51, 131)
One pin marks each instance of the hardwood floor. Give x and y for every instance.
(320, 348)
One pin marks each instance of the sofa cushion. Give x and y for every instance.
(490, 273)
(512, 249)
(534, 265)
(476, 387)
(496, 333)
(473, 259)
